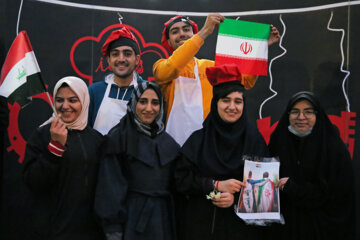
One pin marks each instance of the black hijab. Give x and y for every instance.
(318, 197)
(313, 148)
(218, 147)
(147, 143)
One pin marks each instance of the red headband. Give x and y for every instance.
(122, 33)
(164, 39)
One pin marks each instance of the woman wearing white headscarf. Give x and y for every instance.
(61, 165)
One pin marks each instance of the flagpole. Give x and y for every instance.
(47, 94)
(51, 103)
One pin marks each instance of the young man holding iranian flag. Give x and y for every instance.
(182, 77)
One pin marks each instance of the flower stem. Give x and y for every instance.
(213, 221)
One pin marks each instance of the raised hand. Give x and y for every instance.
(213, 20)
(274, 35)
(58, 131)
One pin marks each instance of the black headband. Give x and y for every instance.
(124, 41)
(179, 19)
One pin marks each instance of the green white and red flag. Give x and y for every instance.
(20, 74)
(245, 44)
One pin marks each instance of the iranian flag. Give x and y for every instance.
(245, 44)
(20, 74)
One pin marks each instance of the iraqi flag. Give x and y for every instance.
(245, 44)
(20, 74)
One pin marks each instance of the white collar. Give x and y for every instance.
(109, 79)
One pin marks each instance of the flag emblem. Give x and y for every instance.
(246, 47)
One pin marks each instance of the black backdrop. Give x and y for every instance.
(66, 37)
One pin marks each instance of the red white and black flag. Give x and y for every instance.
(20, 74)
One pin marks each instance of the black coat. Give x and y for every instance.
(197, 217)
(216, 152)
(63, 187)
(317, 201)
(135, 182)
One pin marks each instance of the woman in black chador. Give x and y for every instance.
(212, 158)
(134, 199)
(61, 166)
(316, 173)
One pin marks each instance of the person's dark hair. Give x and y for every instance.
(156, 89)
(265, 175)
(224, 89)
(179, 19)
(250, 174)
(64, 85)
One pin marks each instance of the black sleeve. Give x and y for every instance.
(188, 179)
(111, 193)
(332, 187)
(40, 166)
(305, 194)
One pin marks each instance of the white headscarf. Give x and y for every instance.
(81, 90)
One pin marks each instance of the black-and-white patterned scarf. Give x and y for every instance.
(157, 126)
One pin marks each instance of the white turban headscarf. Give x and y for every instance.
(81, 90)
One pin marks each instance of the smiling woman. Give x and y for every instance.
(230, 108)
(60, 168)
(317, 199)
(134, 193)
(212, 159)
(67, 104)
(302, 117)
(148, 106)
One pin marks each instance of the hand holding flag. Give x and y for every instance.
(275, 35)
